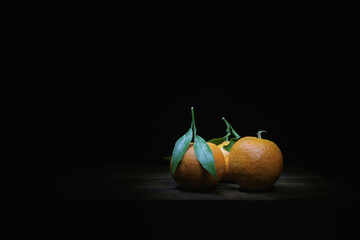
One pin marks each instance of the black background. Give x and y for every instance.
(134, 117)
(118, 88)
(124, 97)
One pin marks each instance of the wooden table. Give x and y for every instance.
(301, 204)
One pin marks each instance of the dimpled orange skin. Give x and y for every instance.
(190, 174)
(256, 163)
(228, 175)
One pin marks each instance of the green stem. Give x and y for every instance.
(193, 120)
(227, 129)
(259, 133)
(230, 127)
(227, 124)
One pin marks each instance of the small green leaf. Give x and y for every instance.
(180, 148)
(167, 158)
(204, 155)
(232, 142)
(218, 141)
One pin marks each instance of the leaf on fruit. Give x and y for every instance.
(204, 155)
(218, 141)
(180, 148)
(232, 142)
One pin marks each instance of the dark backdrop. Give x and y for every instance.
(124, 97)
(132, 113)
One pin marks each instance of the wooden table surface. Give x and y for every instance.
(156, 183)
(301, 205)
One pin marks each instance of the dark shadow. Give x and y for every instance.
(225, 181)
(210, 190)
(271, 189)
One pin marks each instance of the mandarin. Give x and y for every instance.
(190, 174)
(256, 163)
(228, 175)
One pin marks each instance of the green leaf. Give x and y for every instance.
(218, 141)
(232, 142)
(180, 148)
(204, 155)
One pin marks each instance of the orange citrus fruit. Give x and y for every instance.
(256, 163)
(228, 175)
(191, 175)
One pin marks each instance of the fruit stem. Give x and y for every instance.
(227, 129)
(193, 120)
(259, 133)
(230, 128)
